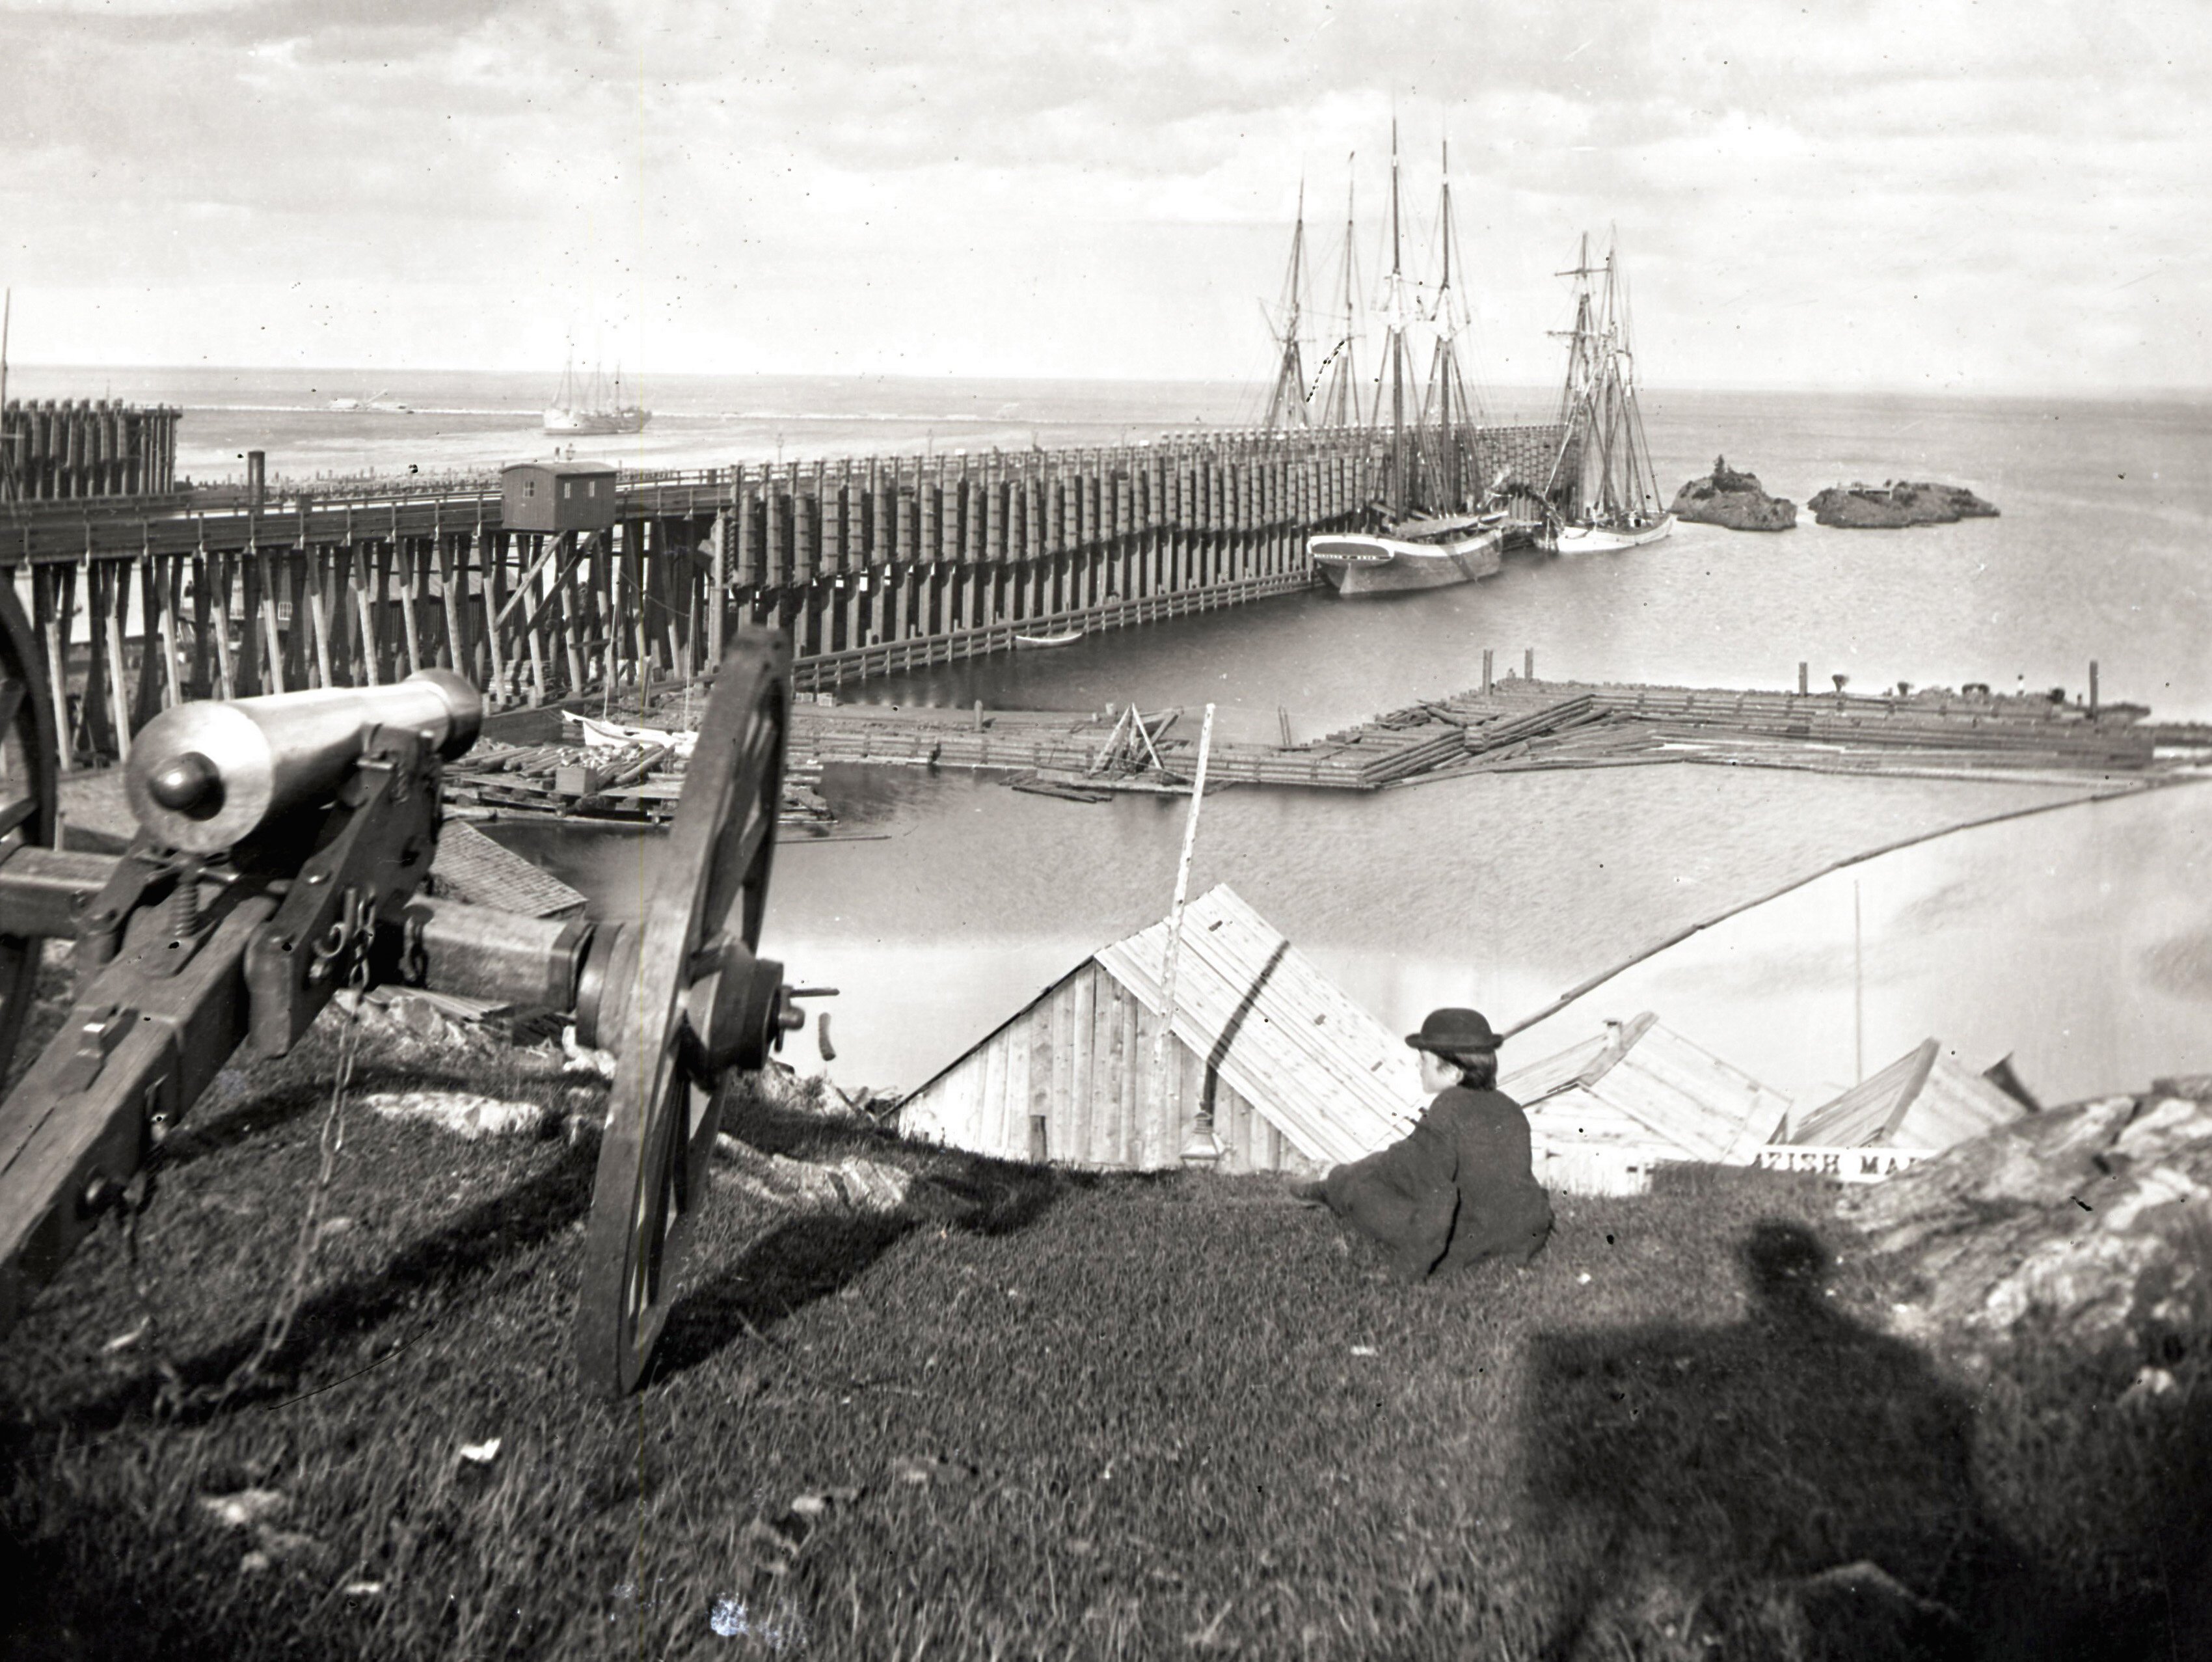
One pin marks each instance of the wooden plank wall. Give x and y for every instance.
(876, 566)
(1070, 1080)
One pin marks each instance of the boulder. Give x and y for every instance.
(1726, 498)
(2089, 1225)
(1900, 503)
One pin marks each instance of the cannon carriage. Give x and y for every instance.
(283, 853)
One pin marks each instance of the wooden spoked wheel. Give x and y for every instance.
(30, 793)
(697, 1004)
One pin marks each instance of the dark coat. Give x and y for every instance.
(1459, 1188)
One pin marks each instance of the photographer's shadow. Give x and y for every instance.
(1794, 1458)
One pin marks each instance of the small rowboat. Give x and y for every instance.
(1067, 638)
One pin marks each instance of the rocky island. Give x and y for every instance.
(1900, 501)
(1735, 500)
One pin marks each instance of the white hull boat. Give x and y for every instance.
(1409, 556)
(1605, 538)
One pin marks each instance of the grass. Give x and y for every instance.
(1057, 1415)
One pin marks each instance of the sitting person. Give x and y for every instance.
(1460, 1188)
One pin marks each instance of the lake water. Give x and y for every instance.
(2076, 938)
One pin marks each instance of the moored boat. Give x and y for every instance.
(1430, 527)
(1065, 637)
(1570, 539)
(1410, 554)
(1603, 471)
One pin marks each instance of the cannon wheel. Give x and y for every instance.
(661, 1120)
(30, 794)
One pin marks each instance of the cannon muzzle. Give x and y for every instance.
(205, 775)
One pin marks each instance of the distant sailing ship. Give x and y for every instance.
(589, 407)
(1426, 532)
(1609, 477)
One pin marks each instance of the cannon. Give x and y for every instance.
(283, 853)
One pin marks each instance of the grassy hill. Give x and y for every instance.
(1042, 1415)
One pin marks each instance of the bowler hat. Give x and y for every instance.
(1450, 1032)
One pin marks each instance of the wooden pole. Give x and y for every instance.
(1858, 991)
(1201, 1149)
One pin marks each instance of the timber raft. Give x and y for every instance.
(149, 592)
(1521, 724)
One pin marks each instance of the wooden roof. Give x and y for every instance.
(1923, 1100)
(1642, 1085)
(1324, 1072)
(470, 866)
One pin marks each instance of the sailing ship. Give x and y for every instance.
(1426, 532)
(588, 406)
(1603, 467)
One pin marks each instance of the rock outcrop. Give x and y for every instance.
(1726, 498)
(1900, 501)
(2090, 1227)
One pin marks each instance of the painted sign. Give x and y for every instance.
(1846, 1165)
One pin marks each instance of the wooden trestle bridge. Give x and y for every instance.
(875, 566)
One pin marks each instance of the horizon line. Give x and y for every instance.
(2182, 392)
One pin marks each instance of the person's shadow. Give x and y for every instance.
(1795, 1474)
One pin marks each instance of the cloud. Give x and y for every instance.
(1867, 194)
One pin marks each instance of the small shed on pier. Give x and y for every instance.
(1603, 1113)
(557, 496)
(1925, 1099)
(1298, 1076)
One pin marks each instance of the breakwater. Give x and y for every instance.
(875, 565)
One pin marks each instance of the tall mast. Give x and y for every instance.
(1447, 408)
(1397, 315)
(1286, 404)
(1339, 404)
(1584, 366)
(1637, 496)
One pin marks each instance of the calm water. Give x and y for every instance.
(2077, 938)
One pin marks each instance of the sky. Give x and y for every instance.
(1934, 196)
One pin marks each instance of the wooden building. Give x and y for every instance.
(1295, 1075)
(1605, 1112)
(558, 496)
(1924, 1100)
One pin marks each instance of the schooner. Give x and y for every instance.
(1424, 530)
(1604, 461)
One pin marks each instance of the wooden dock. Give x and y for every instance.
(147, 594)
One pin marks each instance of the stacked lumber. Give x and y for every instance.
(640, 783)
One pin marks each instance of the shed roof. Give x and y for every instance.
(1324, 1072)
(1647, 1082)
(568, 469)
(1923, 1100)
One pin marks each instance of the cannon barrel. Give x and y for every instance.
(203, 776)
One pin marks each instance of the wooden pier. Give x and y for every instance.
(879, 565)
